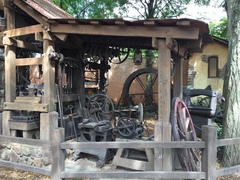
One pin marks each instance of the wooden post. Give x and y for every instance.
(48, 121)
(178, 80)
(163, 157)
(164, 84)
(48, 73)
(57, 155)
(209, 155)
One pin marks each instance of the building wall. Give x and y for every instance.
(200, 67)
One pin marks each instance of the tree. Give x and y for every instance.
(90, 8)
(219, 29)
(231, 122)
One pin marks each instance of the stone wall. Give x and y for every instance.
(25, 154)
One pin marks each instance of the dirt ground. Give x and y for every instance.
(14, 174)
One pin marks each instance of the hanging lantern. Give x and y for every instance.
(137, 57)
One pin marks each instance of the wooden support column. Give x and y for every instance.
(49, 120)
(163, 157)
(10, 72)
(48, 73)
(178, 80)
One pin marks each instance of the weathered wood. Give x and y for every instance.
(34, 14)
(38, 36)
(149, 23)
(49, 75)
(135, 175)
(31, 142)
(26, 106)
(178, 79)
(48, 121)
(27, 99)
(20, 44)
(25, 126)
(209, 154)
(193, 44)
(142, 31)
(228, 170)
(133, 164)
(164, 77)
(24, 31)
(43, 171)
(6, 115)
(61, 36)
(29, 61)
(174, 46)
(134, 145)
(10, 63)
(57, 155)
(184, 23)
(227, 142)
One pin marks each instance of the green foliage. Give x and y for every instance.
(219, 29)
(90, 8)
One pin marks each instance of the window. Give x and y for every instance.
(213, 67)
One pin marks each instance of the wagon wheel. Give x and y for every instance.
(136, 90)
(126, 127)
(103, 105)
(183, 130)
(121, 55)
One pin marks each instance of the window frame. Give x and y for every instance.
(210, 68)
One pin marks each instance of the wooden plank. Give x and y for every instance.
(133, 145)
(25, 106)
(95, 22)
(178, 79)
(31, 142)
(120, 23)
(140, 31)
(39, 170)
(72, 21)
(149, 23)
(134, 174)
(24, 31)
(228, 170)
(25, 126)
(133, 164)
(20, 44)
(20, 99)
(182, 23)
(29, 61)
(227, 142)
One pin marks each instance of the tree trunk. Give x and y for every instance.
(231, 124)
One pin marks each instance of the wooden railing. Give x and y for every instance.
(208, 145)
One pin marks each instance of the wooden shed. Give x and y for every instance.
(35, 32)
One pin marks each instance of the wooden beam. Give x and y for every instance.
(29, 61)
(39, 36)
(34, 14)
(19, 44)
(61, 36)
(72, 21)
(120, 23)
(137, 31)
(48, 74)
(149, 23)
(25, 106)
(183, 23)
(174, 46)
(95, 22)
(24, 31)
(193, 44)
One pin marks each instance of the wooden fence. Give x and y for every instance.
(57, 171)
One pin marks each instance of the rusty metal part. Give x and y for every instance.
(183, 130)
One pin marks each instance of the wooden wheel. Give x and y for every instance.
(183, 130)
